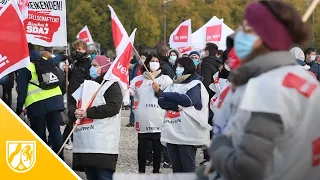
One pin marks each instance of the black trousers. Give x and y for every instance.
(143, 139)
(52, 121)
(206, 155)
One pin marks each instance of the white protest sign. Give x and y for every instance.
(46, 24)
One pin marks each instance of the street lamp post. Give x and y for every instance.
(165, 4)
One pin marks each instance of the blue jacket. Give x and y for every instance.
(42, 107)
(134, 71)
(315, 68)
(171, 100)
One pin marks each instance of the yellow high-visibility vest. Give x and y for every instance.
(35, 93)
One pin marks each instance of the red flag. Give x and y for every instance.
(181, 36)
(119, 70)
(14, 52)
(85, 35)
(118, 31)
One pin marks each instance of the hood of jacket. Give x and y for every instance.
(176, 51)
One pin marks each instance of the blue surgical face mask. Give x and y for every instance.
(243, 44)
(196, 62)
(94, 72)
(179, 71)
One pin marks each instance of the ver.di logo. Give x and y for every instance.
(21, 155)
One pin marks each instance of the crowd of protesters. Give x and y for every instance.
(251, 108)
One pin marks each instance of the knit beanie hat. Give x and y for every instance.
(273, 33)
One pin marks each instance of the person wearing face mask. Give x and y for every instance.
(173, 56)
(134, 72)
(95, 150)
(163, 53)
(80, 64)
(195, 56)
(311, 55)
(100, 65)
(147, 112)
(273, 131)
(186, 121)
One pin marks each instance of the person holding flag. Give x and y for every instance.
(99, 159)
(148, 114)
(78, 72)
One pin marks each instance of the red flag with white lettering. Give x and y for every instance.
(181, 36)
(118, 31)
(14, 52)
(119, 70)
(85, 35)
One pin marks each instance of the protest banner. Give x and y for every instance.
(46, 24)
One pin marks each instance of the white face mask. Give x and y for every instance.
(154, 66)
(313, 57)
(227, 67)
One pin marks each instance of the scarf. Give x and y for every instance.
(180, 79)
(151, 75)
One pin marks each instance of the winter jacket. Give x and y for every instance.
(134, 71)
(10, 82)
(171, 100)
(113, 97)
(77, 74)
(261, 143)
(41, 107)
(166, 67)
(302, 63)
(315, 68)
(209, 66)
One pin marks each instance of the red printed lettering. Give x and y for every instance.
(223, 95)
(135, 105)
(138, 84)
(182, 34)
(213, 33)
(172, 114)
(42, 24)
(300, 84)
(137, 126)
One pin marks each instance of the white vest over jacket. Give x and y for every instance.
(189, 126)
(148, 114)
(294, 94)
(98, 135)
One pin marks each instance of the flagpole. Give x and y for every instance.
(311, 8)
(78, 120)
(136, 52)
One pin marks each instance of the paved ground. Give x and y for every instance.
(127, 161)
